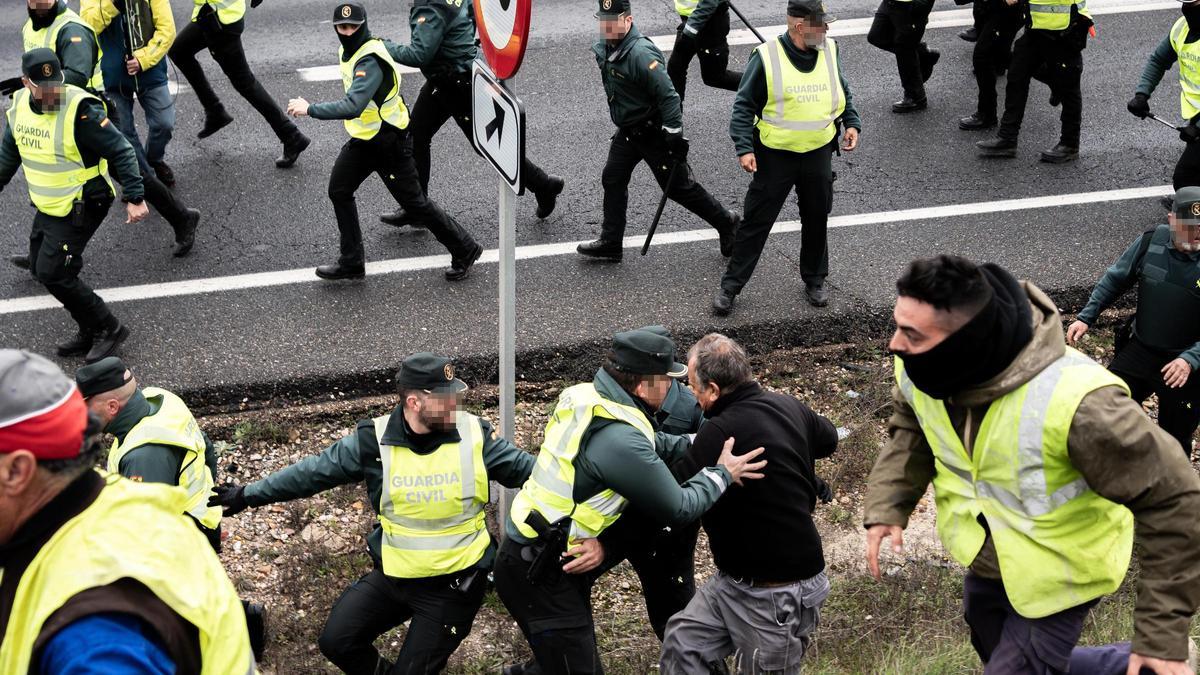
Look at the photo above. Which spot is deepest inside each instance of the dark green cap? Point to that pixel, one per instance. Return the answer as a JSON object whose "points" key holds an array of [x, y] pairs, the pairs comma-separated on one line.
{"points": [[429, 372], [812, 10], [662, 330], [1187, 203], [642, 352], [41, 65], [611, 9], [350, 13], [104, 375]]}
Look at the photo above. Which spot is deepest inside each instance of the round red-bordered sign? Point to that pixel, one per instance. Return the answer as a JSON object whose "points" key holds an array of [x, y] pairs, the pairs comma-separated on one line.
{"points": [[503, 33]]}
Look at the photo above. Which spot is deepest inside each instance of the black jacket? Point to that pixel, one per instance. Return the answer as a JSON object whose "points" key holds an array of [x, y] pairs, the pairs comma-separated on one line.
{"points": [[763, 530]]}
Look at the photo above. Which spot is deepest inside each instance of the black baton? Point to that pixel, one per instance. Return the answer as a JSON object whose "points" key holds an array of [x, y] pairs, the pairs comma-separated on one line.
{"points": [[743, 18], [661, 203]]}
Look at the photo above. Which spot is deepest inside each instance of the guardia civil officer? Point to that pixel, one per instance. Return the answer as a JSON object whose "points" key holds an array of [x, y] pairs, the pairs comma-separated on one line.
{"points": [[95, 579], [643, 104], [601, 451], [1160, 350], [61, 137], [443, 47], [898, 28], [426, 466], [1050, 49], [1042, 466], [217, 26], [997, 25], [1181, 45], [787, 142], [377, 121], [703, 32], [157, 440]]}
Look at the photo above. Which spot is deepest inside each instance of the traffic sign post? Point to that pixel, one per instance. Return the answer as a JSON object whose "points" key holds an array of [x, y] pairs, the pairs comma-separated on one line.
{"points": [[498, 132]]}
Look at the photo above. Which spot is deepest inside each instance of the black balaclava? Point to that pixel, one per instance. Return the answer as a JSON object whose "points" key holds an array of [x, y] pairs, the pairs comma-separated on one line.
{"points": [[983, 347], [351, 43], [1191, 12], [40, 22]]}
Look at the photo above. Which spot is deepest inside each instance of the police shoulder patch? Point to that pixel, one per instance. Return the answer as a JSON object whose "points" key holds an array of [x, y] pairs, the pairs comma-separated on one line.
{"points": [[360, 73], [77, 39], [420, 19], [104, 122], [653, 65], [136, 478]]}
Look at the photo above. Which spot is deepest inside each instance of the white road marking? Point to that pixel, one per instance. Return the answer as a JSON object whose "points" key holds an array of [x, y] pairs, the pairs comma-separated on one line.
{"points": [[401, 265], [952, 18]]}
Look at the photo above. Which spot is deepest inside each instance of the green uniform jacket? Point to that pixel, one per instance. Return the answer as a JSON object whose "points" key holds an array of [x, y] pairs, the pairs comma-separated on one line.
{"points": [[1161, 60], [614, 455], [1124, 274], [1123, 456], [699, 16], [78, 58], [151, 463], [636, 83], [355, 458], [370, 86], [443, 38], [680, 413], [96, 137], [751, 95]]}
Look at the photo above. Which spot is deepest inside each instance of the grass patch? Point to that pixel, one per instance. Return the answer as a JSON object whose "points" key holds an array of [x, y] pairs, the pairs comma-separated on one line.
{"points": [[248, 431]]}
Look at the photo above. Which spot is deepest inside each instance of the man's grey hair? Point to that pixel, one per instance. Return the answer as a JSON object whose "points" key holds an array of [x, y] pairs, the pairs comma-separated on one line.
{"points": [[716, 358]]}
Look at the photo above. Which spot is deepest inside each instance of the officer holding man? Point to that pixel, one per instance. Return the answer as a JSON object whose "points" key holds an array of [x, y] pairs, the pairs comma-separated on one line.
{"points": [[1182, 44], [94, 579], [1159, 351], [998, 23], [787, 142], [377, 121], [1050, 49], [443, 47], [601, 452], [157, 440], [217, 26], [60, 135], [1041, 465], [426, 466], [703, 31], [643, 104], [119, 87], [898, 28]]}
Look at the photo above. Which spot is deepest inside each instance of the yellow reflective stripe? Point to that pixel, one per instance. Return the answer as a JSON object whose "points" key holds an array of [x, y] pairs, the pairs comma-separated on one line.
{"points": [[549, 478], [1033, 506], [1049, 9], [442, 542]]}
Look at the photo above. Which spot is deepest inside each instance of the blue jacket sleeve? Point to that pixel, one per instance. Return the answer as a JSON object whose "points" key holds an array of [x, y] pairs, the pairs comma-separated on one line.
{"points": [[105, 644]]}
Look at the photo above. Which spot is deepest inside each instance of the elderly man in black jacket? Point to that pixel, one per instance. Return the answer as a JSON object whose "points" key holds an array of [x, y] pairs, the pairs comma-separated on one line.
{"points": [[764, 602]]}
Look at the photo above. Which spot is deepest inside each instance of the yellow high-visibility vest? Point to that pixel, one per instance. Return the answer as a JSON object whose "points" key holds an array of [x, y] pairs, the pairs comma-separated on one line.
{"points": [[54, 168], [132, 531], [802, 108], [550, 488], [228, 11], [174, 425], [48, 38], [1054, 14], [1059, 543], [1189, 69], [393, 111], [432, 506]]}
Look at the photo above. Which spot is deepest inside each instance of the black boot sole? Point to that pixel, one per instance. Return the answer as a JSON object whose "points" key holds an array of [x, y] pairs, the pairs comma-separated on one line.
{"points": [[114, 343]]}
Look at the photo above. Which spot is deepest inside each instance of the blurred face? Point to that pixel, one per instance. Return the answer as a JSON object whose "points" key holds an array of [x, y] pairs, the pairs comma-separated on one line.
{"points": [[653, 390], [437, 412], [614, 30], [807, 34], [1185, 233], [919, 326], [105, 408], [41, 7], [706, 395], [48, 95], [346, 29]]}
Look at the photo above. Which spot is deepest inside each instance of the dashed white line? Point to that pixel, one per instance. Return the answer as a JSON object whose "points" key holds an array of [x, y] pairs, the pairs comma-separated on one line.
{"points": [[401, 265]]}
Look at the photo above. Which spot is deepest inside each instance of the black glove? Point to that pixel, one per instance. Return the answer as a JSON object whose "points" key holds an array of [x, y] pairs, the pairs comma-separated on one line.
{"points": [[9, 86], [823, 492], [230, 498], [677, 146], [684, 34], [1139, 105], [1189, 133], [255, 3]]}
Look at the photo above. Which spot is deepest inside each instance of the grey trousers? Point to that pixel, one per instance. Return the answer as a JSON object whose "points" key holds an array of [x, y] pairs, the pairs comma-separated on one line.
{"points": [[767, 629]]}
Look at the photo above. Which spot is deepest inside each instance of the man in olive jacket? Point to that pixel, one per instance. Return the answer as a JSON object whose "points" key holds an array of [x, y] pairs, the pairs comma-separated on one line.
{"points": [[982, 366]]}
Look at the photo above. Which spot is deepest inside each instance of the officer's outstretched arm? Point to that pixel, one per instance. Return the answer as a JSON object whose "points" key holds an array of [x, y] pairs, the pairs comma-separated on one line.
{"points": [[339, 464]]}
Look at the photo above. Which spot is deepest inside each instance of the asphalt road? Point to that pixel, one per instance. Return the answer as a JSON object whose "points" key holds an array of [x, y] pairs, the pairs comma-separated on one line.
{"points": [[306, 336]]}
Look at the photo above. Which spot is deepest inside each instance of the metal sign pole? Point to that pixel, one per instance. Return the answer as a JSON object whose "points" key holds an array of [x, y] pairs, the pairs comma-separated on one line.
{"points": [[507, 320]]}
